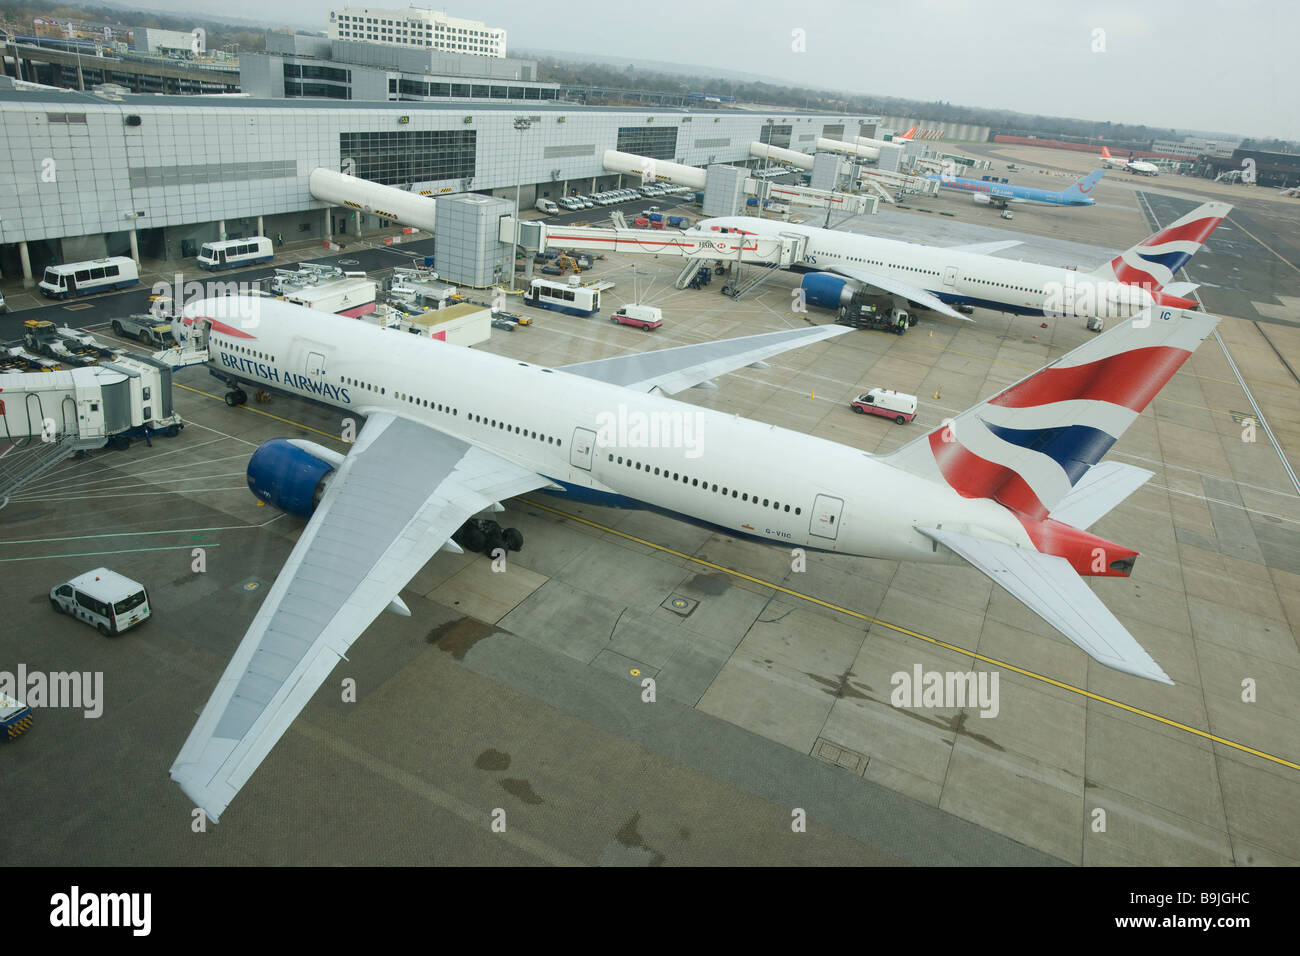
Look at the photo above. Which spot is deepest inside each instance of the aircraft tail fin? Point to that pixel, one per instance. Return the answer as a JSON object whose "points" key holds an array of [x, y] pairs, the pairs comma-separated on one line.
{"points": [[1081, 191], [1105, 153], [907, 137], [1028, 446], [1154, 261]]}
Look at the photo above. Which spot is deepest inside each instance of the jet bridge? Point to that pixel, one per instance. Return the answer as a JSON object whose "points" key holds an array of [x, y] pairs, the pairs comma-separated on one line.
{"points": [[783, 251]]}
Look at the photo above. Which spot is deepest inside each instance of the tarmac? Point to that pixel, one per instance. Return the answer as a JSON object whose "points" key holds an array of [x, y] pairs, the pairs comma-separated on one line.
{"points": [[518, 696]]}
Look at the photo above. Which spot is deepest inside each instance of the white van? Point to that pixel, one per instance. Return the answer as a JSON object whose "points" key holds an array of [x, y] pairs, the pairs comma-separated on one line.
{"points": [[104, 599], [232, 253], [548, 207], [82, 278]]}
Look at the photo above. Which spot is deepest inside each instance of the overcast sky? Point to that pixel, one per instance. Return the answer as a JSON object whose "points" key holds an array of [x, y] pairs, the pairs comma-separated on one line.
{"points": [[1200, 64]]}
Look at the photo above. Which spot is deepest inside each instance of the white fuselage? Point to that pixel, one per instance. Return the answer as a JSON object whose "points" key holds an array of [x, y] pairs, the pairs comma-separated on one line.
{"points": [[1132, 165], [956, 276], [642, 449]]}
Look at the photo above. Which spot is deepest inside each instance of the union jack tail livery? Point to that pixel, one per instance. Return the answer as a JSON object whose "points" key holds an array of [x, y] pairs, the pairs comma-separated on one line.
{"points": [[1029, 445], [1034, 449], [1154, 261]]}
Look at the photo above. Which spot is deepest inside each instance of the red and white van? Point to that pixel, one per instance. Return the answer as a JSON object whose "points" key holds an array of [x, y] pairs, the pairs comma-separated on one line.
{"points": [[887, 403]]}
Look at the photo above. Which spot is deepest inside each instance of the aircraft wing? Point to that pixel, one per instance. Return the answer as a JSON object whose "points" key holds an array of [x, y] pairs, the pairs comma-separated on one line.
{"points": [[986, 248], [672, 370], [398, 496], [897, 287], [1053, 590]]}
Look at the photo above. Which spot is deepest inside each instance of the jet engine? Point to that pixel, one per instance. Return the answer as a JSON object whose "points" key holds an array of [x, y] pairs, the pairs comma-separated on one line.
{"points": [[827, 290], [292, 474]]}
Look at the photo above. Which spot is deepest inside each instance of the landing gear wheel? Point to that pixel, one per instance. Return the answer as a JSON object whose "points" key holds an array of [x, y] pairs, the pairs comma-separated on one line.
{"points": [[514, 539], [899, 419], [236, 397], [470, 538], [494, 543]]}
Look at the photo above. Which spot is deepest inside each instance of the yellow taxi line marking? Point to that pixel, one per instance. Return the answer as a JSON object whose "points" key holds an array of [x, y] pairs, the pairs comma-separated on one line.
{"points": [[966, 652]]}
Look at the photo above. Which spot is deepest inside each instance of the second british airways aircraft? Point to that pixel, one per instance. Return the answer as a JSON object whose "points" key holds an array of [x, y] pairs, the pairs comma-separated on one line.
{"points": [[998, 195]]}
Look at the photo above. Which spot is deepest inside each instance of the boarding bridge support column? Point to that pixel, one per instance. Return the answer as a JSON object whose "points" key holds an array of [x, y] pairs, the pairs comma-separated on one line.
{"points": [[724, 190], [825, 172], [26, 258], [135, 246], [221, 229]]}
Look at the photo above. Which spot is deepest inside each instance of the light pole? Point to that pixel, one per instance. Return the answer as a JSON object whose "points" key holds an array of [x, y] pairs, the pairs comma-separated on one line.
{"points": [[521, 123]]}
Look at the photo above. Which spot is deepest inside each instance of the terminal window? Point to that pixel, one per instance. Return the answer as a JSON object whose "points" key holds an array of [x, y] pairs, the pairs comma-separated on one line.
{"points": [[776, 135], [400, 157], [656, 143]]}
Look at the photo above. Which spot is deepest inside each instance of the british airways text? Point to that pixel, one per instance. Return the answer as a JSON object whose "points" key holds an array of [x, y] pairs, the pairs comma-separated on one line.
{"points": [[270, 373]]}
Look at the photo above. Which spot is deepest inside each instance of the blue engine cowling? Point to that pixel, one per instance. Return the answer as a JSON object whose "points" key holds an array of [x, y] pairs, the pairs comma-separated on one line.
{"points": [[291, 474], [827, 290]]}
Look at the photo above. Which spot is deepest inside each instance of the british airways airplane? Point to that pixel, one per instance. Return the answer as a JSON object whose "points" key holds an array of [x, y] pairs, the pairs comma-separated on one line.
{"points": [[999, 195], [1009, 487], [841, 264]]}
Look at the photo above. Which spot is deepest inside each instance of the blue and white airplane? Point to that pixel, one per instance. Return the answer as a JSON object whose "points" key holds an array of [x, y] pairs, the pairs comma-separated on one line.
{"points": [[1008, 487], [998, 195]]}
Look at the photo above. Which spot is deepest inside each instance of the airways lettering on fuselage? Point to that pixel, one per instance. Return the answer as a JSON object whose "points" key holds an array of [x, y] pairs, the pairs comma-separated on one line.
{"points": [[271, 374]]}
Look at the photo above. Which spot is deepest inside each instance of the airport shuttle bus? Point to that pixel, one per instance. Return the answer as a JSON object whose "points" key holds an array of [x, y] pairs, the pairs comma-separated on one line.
{"points": [[83, 278], [232, 253], [561, 297]]}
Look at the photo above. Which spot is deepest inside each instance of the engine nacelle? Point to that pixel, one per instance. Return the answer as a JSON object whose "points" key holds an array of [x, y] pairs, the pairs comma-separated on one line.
{"points": [[980, 199], [827, 290], [291, 474]]}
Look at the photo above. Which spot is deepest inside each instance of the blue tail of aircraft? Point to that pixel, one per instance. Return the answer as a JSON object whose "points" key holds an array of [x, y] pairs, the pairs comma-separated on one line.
{"points": [[1080, 194]]}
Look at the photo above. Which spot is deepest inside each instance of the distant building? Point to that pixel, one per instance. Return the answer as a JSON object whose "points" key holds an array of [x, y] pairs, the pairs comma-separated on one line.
{"points": [[416, 27], [149, 40], [1194, 146], [313, 66]]}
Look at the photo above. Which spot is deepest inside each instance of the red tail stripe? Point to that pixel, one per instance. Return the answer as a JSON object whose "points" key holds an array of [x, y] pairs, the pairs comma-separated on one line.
{"points": [[974, 477], [1130, 379], [1196, 231], [1131, 275]]}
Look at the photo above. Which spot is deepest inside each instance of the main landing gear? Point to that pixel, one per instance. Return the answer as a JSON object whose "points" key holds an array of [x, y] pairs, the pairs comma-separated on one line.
{"points": [[236, 397], [483, 535]]}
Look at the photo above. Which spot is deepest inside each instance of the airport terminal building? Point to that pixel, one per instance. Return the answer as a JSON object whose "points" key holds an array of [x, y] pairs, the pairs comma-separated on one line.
{"points": [[84, 175]]}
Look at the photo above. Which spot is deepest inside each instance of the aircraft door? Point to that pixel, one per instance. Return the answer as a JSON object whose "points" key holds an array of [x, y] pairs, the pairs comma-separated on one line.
{"points": [[950, 277], [315, 364], [826, 515], [581, 448]]}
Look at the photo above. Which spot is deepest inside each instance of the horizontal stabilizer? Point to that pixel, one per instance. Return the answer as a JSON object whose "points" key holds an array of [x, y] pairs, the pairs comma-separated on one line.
{"points": [[1102, 487], [1049, 587], [1181, 289]]}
